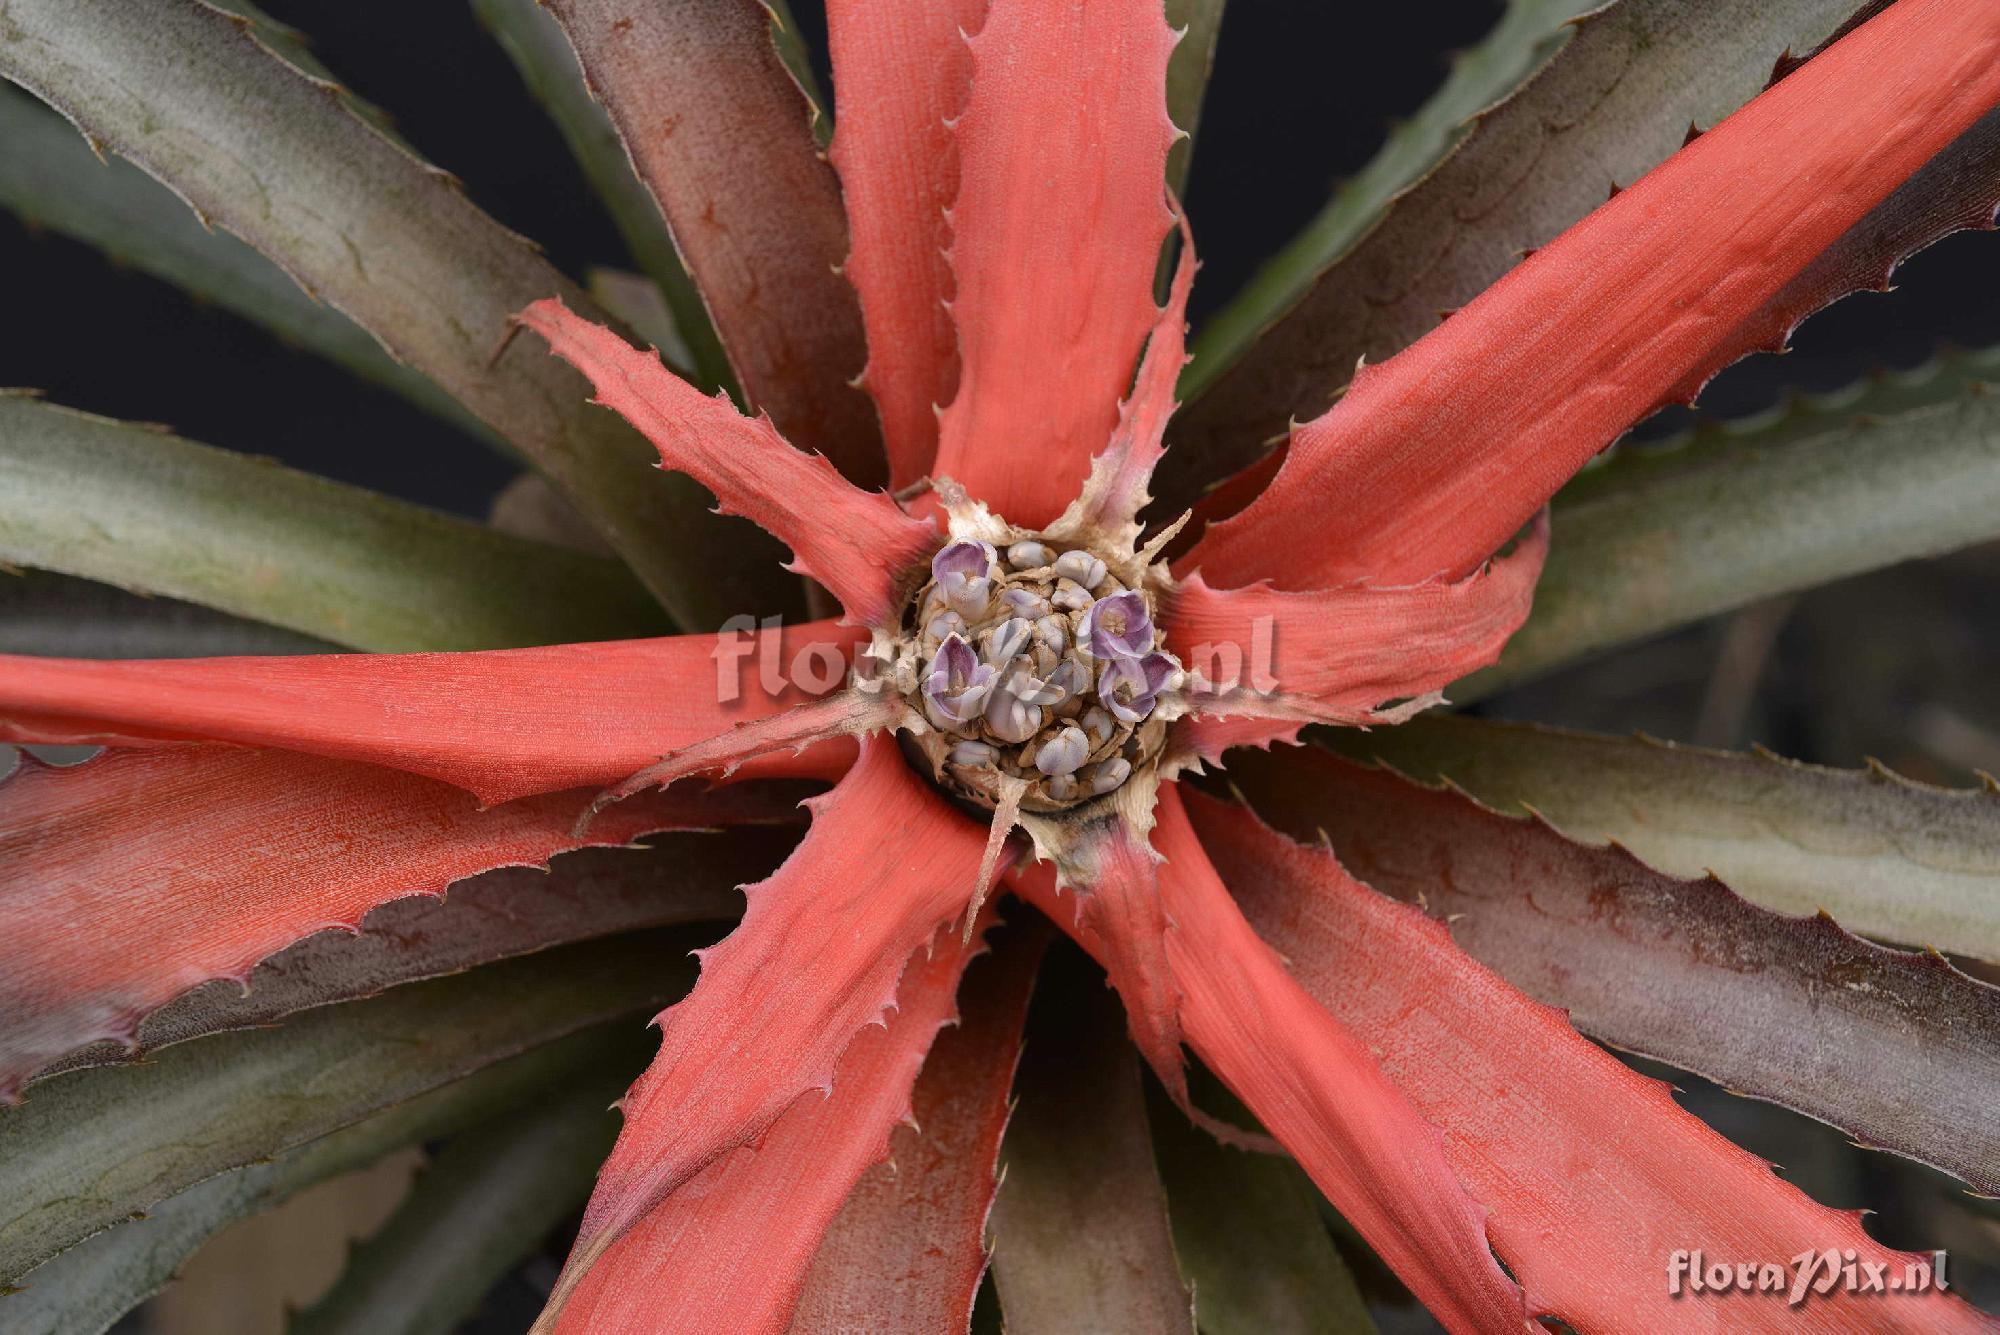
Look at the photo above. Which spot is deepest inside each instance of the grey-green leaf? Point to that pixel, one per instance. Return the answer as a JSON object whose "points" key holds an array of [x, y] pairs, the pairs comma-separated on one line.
{"points": [[1200, 25], [472, 1215], [1248, 1232], [189, 94], [1528, 33], [293, 47], [1079, 1228], [134, 506], [58, 616], [49, 177], [86, 1289], [638, 301], [1389, 258], [1886, 856], [1903, 467], [536, 45], [91, 1148]]}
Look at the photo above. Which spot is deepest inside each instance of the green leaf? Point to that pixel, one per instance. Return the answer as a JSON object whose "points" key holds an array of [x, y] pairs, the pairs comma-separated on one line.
{"points": [[639, 303], [259, 148], [57, 616], [586, 894], [536, 45], [1903, 467], [1528, 33], [1887, 857], [91, 1148], [1200, 24], [86, 1289], [472, 1215], [1398, 247], [790, 41], [292, 46], [134, 506], [1248, 1233], [1079, 1227], [50, 178]]}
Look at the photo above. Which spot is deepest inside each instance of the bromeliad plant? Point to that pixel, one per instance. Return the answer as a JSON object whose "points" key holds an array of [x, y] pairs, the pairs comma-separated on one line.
{"points": [[1039, 663]]}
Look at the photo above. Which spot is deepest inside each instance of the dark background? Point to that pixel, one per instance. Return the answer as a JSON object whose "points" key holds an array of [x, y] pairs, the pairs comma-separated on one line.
{"points": [[1302, 92], [1899, 663]]}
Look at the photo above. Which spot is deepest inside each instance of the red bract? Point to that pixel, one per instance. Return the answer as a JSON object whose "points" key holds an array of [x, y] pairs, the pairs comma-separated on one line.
{"points": [[1448, 1117]]}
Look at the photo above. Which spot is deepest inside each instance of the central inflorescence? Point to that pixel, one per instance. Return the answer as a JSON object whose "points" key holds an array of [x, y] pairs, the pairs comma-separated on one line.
{"points": [[1040, 671]]}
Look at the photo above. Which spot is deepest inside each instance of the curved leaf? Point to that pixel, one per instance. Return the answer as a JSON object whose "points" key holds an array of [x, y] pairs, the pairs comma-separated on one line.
{"points": [[481, 1206], [721, 134], [86, 1289], [1437, 457], [1896, 1048], [89, 1149], [1528, 33], [860, 544], [60, 616], [674, 879], [189, 94], [907, 1251], [733, 1251], [1590, 1174], [134, 506], [535, 43], [1957, 189], [1614, 102], [815, 960], [50, 178], [138, 876], [1886, 856], [1905, 467]]}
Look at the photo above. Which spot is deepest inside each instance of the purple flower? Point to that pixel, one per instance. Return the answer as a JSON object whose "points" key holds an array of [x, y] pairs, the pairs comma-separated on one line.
{"points": [[964, 575], [958, 683], [1129, 686], [1119, 626]]}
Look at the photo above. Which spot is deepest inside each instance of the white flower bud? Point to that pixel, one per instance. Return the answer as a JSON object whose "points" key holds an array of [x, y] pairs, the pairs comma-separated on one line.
{"points": [[1108, 775], [1006, 641], [1063, 753], [1028, 556], [1025, 603], [972, 754], [1010, 718], [1082, 567], [1097, 721], [1071, 678], [1071, 596]]}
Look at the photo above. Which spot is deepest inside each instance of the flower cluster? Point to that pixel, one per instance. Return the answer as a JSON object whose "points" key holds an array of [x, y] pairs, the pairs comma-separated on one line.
{"points": [[1041, 669]]}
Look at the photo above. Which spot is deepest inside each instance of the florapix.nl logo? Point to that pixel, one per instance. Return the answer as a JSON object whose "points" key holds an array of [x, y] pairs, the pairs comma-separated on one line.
{"points": [[1809, 1274]]}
